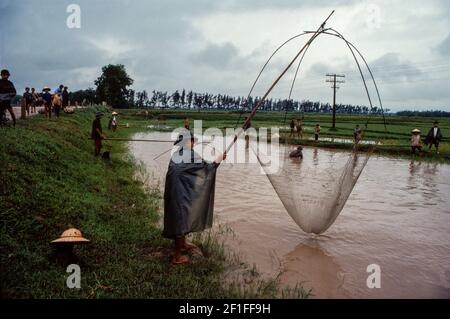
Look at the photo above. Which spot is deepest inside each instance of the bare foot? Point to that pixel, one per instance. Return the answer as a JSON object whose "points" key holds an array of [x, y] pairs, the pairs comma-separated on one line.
{"points": [[188, 247], [180, 260]]}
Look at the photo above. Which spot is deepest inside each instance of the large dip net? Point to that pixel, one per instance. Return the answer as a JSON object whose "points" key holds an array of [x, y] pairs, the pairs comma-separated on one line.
{"points": [[314, 191]]}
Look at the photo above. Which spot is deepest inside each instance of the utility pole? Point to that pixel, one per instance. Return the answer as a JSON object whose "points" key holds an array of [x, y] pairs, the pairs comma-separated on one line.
{"points": [[333, 78]]}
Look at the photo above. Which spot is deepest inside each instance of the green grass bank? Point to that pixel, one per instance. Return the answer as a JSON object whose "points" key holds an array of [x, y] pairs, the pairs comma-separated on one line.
{"points": [[51, 181]]}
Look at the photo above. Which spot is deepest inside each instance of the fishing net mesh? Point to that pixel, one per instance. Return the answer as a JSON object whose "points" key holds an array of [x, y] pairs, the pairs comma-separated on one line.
{"points": [[314, 190]]}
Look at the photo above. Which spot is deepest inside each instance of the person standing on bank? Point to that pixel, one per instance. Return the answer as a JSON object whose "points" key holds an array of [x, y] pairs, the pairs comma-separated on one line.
{"points": [[28, 97], [188, 195], [65, 98], [57, 104], [47, 98], [7, 93], [97, 133], [34, 101], [434, 136]]}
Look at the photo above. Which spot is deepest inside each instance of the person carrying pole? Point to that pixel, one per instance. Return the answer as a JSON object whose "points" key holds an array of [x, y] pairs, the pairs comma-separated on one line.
{"points": [[188, 195], [97, 134]]}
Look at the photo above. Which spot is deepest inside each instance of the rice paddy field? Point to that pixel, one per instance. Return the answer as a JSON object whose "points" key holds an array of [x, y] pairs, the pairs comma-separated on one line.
{"points": [[392, 133]]}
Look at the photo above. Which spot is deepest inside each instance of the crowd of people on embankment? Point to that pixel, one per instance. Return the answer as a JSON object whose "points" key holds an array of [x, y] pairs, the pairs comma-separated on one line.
{"points": [[52, 102]]}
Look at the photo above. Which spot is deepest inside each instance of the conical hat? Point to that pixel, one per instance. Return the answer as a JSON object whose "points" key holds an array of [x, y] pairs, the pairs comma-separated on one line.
{"points": [[71, 235]]}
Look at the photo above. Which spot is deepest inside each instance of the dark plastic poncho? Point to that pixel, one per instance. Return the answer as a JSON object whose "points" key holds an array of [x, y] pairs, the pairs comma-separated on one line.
{"points": [[189, 197]]}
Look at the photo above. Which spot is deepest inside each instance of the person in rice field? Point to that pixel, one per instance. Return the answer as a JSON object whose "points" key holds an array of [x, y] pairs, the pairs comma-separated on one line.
{"points": [[416, 142], [434, 137], [316, 132], [292, 127], [357, 134], [299, 128], [188, 195]]}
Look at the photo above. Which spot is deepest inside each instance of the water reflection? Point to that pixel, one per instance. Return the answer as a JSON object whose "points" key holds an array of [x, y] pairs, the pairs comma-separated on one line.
{"points": [[309, 264], [422, 181], [316, 156]]}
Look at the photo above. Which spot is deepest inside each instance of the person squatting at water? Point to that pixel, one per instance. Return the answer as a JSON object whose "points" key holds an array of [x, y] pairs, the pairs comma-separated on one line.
{"points": [[298, 153], [97, 134], [416, 143], [434, 136], [7, 93], [188, 195]]}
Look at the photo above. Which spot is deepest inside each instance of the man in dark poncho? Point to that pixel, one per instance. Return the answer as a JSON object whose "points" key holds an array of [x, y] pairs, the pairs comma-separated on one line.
{"points": [[434, 136], [188, 195]]}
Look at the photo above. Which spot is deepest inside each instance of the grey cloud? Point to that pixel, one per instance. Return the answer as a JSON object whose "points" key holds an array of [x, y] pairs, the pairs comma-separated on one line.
{"points": [[216, 55], [444, 47], [391, 67]]}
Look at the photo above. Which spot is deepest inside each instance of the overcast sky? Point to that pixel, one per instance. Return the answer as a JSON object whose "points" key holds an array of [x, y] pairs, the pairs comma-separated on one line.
{"points": [[219, 46]]}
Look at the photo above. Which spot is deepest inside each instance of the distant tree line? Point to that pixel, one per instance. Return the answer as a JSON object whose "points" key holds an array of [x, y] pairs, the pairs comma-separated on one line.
{"points": [[424, 113], [193, 100]]}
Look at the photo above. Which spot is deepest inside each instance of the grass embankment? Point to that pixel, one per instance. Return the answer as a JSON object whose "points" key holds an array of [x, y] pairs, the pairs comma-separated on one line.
{"points": [[51, 181], [394, 138]]}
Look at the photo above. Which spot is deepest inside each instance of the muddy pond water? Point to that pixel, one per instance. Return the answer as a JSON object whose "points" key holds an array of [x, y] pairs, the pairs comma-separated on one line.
{"points": [[397, 217]]}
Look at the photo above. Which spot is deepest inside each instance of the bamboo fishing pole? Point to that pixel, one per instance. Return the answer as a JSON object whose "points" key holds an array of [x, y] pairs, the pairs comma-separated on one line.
{"points": [[255, 109], [145, 140], [137, 140]]}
